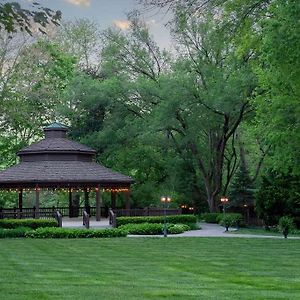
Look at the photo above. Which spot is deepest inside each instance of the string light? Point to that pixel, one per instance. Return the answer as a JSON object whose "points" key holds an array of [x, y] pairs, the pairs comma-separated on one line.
{"points": [[73, 189]]}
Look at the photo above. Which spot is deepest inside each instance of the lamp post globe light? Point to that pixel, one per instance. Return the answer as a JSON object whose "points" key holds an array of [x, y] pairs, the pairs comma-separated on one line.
{"points": [[224, 200], [165, 200]]}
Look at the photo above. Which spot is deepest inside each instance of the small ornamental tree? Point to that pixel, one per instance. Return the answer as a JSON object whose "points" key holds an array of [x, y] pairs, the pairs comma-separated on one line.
{"points": [[285, 225]]}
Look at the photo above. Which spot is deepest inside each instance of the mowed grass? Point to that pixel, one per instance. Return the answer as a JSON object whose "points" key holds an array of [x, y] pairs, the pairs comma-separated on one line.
{"points": [[150, 268]]}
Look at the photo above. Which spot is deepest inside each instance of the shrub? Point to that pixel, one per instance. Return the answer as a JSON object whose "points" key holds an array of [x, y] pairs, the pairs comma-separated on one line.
{"points": [[178, 228], [31, 223], [69, 233], [14, 233], [211, 217], [143, 228], [153, 228], [286, 224], [231, 219], [174, 219]]}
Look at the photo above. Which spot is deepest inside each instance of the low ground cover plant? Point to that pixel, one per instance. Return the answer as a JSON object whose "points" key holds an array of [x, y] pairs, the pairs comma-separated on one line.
{"points": [[153, 228], [31, 223], [173, 219]]}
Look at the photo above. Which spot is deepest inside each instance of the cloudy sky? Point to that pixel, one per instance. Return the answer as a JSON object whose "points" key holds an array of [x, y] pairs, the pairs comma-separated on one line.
{"points": [[109, 13]]}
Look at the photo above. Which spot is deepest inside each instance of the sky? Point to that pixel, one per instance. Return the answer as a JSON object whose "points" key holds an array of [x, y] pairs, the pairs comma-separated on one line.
{"points": [[108, 13]]}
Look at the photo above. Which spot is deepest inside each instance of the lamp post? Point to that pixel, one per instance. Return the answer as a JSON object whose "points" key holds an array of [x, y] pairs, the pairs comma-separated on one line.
{"points": [[224, 200], [165, 200]]}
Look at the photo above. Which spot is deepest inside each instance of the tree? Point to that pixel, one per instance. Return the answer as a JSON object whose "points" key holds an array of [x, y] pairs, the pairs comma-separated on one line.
{"points": [[82, 39], [278, 196], [277, 104], [15, 18], [30, 94]]}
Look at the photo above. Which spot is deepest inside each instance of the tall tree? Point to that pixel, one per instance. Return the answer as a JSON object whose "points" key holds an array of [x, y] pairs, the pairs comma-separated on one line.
{"points": [[15, 18]]}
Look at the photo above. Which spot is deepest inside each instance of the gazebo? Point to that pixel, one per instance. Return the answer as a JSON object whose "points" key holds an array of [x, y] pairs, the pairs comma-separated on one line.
{"points": [[58, 163]]}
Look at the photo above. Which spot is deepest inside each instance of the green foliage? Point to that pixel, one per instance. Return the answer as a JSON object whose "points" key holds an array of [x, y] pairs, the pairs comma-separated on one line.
{"points": [[142, 228], [241, 191], [31, 223], [231, 219], [14, 233], [153, 228], [286, 224], [178, 228], [69, 233], [174, 219], [277, 196], [211, 217]]}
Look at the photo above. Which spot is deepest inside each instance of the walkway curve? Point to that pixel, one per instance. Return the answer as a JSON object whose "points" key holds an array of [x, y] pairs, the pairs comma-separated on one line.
{"points": [[215, 230]]}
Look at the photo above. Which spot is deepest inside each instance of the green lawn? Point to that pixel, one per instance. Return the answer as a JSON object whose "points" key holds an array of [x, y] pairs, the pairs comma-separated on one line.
{"points": [[150, 268]]}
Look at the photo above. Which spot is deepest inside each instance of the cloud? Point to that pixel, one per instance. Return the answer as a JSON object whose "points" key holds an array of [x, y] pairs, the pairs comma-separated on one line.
{"points": [[122, 24], [79, 2], [151, 22]]}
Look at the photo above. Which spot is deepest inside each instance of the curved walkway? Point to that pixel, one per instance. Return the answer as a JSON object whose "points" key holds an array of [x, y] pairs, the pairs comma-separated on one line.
{"points": [[215, 230]]}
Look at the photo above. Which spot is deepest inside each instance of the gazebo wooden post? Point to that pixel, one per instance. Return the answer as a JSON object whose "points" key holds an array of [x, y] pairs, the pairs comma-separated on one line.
{"points": [[127, 202], [20, 202], [98, 203], [113, 198], [70, 204], [37, 202], [86, 201]]}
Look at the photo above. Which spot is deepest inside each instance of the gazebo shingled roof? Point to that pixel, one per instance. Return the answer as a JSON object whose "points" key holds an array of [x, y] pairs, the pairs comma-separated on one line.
{"points": [[59, 162]]}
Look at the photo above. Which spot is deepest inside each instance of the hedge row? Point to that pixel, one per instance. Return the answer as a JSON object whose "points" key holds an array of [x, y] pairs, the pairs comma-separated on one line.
{"points": [[211, 217], [31, 223], [173, 219], [69, 233], [153, 228]]}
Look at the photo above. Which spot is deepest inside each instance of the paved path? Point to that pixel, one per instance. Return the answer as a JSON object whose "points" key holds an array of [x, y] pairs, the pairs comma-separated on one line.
{"points": [[207, 230], [215, 230]]}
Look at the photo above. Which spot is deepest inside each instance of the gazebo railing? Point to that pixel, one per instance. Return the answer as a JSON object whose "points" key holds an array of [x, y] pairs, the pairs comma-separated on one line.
{"points": [[147, 211], [47, 212]]}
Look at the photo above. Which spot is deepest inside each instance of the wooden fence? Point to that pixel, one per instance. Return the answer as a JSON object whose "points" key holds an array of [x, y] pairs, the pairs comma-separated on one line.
{"points": [[147, 211]]}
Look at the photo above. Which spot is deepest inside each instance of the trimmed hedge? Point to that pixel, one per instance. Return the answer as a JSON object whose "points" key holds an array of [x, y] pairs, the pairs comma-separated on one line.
{"points": [[153, 228], [69, 233], [211, 217], [31, 223], [14, 233], [174, 219]]}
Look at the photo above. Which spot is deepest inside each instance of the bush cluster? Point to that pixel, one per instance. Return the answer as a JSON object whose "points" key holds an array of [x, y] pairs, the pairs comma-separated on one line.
{"points": [[31, 223], [153, 228], [69, 233], [14, 233], [173, 219], [178, 228]]}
